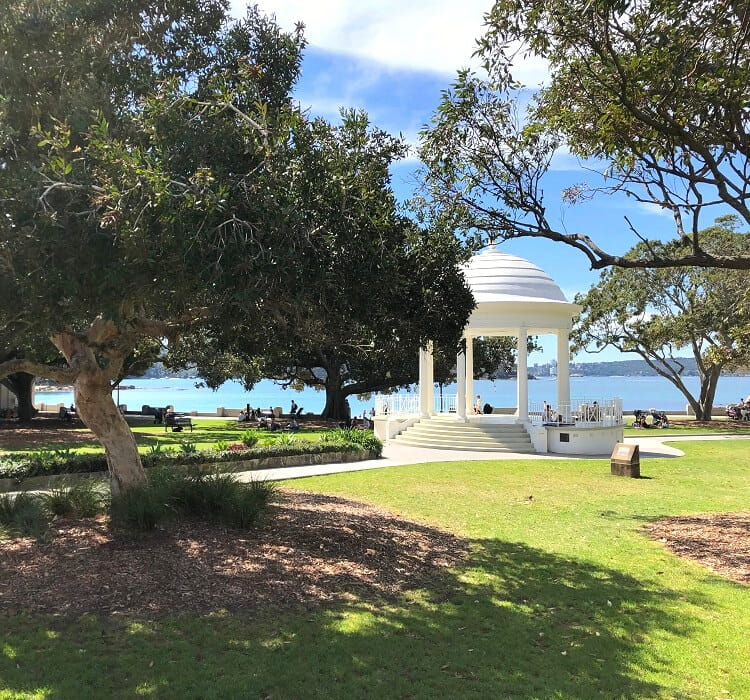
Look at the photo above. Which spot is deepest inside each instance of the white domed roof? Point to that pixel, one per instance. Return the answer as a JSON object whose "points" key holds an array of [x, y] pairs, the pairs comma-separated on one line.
{"points": [[494, 276]]}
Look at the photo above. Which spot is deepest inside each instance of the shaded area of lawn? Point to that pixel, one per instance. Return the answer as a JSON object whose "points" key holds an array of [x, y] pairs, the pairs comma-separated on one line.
{"points": [[530, 624], [563, 596]]}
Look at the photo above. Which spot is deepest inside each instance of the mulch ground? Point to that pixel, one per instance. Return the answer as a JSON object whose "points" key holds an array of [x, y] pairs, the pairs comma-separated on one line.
{"points": [[312, 549], [720, 542], [42, 431]]}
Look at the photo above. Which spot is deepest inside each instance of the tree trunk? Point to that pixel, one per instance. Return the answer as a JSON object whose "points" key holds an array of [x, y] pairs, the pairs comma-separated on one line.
{"points": [[22, 384], [95, 406], [336, 405], [705, 404]]}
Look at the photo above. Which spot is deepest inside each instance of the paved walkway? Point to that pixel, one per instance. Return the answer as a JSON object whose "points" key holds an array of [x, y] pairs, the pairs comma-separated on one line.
{"points": [[395, 455]]}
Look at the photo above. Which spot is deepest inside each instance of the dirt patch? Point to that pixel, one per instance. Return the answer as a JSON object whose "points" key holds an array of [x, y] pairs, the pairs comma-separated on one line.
{"points": [[24, 436], [312, 549], [720, 542]]}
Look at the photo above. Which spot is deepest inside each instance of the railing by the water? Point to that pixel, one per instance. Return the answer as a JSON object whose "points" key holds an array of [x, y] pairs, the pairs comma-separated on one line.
{"points": [[409, 405], [445, 403], [581, 412], [397, 404]]}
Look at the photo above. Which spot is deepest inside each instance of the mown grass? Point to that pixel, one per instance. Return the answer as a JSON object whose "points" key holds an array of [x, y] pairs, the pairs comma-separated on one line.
{"points": [[563, 597], [205, 435]]}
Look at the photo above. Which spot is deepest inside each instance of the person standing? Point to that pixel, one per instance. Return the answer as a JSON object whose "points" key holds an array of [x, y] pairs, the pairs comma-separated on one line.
{"points": [[478, 404]]}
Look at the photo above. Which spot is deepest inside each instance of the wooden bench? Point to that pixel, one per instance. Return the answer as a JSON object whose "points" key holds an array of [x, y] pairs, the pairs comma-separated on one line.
{"points": [[176, 421]]}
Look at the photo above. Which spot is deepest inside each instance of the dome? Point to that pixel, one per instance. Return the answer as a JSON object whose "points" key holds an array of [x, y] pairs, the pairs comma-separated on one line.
{"points": [[494, 276]]}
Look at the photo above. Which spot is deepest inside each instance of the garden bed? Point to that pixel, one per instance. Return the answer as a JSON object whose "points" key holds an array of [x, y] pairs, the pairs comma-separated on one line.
{"points": [[312, 549], [718, 541]]}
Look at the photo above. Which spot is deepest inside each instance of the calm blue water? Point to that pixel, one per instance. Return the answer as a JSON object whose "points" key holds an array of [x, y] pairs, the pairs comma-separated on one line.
{"points": [[636, 392]]}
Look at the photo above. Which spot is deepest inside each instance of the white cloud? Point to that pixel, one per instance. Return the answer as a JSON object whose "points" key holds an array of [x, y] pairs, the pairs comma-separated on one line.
{"points": [[428, 35], [652, 208]]}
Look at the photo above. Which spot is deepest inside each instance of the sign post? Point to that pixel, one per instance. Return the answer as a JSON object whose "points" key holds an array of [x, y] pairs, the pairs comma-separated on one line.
{"points": [[626, 460]]}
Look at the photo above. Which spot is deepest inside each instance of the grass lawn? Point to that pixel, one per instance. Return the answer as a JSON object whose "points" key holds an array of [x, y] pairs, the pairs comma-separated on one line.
{"points": [[205, 435], [562, 597]]}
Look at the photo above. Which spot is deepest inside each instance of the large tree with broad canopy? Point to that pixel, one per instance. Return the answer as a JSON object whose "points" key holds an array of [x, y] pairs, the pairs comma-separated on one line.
{"points": [[652, 94], [661, 314]]}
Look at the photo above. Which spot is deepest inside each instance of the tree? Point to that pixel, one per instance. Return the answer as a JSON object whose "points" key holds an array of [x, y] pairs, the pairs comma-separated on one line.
{"points": [[652, 91], [142, 146], [657, 314], [376, 289]]}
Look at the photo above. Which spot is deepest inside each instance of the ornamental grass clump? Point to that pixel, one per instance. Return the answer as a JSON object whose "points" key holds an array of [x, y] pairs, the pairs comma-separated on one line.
{"points": [[83, 499], [24, 515], [213, 497]]}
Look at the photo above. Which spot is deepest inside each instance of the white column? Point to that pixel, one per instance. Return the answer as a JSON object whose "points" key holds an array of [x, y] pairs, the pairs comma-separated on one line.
{"points": [[469, 375], [522, 376], [461, 386], [430, 360], [424, 383], [563, 368]]}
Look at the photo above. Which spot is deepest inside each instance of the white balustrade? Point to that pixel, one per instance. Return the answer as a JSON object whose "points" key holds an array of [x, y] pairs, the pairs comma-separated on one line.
{"points": [[580, 412], [397, 405], [445, 403]]}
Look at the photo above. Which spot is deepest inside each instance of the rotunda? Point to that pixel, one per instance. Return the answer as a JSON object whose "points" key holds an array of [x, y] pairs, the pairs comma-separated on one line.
{"points": [[513, 298]]}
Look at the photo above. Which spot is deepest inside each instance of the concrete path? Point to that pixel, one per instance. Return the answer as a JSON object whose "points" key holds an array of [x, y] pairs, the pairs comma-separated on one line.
{"points": [[395, 455]]}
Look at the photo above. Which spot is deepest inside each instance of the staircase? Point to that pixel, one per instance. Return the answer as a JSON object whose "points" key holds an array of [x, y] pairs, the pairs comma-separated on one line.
{"points": [[446, 433]]}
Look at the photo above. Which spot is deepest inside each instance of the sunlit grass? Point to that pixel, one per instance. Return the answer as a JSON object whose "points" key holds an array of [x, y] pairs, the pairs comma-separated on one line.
{"points": [[563, 596]]}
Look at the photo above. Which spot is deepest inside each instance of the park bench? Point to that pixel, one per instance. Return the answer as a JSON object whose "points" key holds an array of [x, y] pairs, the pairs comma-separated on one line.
{"points": [[177, 422]]}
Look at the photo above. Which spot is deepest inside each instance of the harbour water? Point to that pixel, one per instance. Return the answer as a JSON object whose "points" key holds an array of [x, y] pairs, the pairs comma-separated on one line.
{"points": [[184, 395]]}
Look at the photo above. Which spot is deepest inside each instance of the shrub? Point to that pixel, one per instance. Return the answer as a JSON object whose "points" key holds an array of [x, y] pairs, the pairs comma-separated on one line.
{"points": [[141, 508], [84, 499], [286, 439], [221, 445], [364, 439], [249, 503], [23, 515], [215, 497], [187, 447], [19, 467], [249, 438]]}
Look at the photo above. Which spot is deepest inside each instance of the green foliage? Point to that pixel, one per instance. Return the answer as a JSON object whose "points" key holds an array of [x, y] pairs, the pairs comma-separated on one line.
{"points": [[82, 499], [650, 94], [351, 332], [286, 438], [249, 438], [23, 515], [214, 497], [140, 508], [221, 445], [188, 447], [661, 313], [363, 439]]}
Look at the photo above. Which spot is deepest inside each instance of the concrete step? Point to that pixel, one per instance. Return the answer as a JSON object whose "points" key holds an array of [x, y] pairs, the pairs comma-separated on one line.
{"points": [[505, 431], [465, 448], [448, 434]]}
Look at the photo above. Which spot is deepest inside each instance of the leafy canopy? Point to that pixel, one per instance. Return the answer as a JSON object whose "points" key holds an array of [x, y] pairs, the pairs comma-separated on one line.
{"points": [[654, 91]]}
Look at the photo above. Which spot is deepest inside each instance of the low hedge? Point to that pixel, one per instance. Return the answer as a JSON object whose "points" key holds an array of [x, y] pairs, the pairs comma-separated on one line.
{"points": [[47, 462]]}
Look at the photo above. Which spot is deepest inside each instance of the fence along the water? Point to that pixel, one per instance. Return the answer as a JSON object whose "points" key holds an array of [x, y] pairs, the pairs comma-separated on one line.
{"points": [[590, 412]]}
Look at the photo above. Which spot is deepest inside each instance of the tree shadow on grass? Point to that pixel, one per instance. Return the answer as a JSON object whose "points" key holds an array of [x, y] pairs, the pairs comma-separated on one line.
{"points": [[510, 621]]}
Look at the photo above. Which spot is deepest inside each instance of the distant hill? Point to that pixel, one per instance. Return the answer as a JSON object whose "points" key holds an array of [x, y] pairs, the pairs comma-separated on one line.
{"points": [[627, 368]]}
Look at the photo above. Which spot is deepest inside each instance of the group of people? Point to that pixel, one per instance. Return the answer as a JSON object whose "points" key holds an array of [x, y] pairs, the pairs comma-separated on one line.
{"points": [[740, 410], [267, 418]]}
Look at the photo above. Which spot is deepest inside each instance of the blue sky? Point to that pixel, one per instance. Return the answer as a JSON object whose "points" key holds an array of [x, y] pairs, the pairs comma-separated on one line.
{"points": [[393, 59]]}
